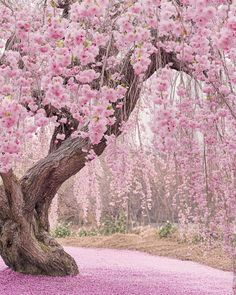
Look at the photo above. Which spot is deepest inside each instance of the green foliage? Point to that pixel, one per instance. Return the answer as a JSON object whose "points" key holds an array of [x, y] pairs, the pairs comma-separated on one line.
{"points": [[111, 225], [166, 230], [62, 230], [88, 232]]}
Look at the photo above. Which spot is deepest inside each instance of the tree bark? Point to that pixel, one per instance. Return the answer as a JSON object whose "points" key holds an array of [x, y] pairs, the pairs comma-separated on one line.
{"points": [[25, 244]]}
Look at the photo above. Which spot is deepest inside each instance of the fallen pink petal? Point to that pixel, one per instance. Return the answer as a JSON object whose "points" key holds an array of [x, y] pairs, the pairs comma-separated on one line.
{"points": [[121, 272]]}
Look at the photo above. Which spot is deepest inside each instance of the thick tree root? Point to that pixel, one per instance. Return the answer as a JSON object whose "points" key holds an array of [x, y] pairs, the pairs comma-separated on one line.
{"points": [[23, 252]]}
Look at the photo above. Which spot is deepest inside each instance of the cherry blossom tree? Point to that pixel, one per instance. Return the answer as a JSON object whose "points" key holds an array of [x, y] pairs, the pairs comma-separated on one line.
{"points": [[81, 66]]}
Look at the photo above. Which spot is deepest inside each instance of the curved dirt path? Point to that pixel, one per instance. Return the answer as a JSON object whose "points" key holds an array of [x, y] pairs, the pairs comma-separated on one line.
{"points": [[121, 272]]}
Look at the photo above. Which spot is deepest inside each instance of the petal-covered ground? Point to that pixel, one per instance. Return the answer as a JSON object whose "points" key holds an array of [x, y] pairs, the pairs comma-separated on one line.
{"points": [[119, 272]]}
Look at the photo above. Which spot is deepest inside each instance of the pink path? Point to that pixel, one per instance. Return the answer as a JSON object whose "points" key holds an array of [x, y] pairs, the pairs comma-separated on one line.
{"points": [[119, 272]]}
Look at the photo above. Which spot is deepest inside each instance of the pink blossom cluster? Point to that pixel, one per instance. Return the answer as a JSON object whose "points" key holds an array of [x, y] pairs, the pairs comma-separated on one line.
{"points": [[76, 62]]}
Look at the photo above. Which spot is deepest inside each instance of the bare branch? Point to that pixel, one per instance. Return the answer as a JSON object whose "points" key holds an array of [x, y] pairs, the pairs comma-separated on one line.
{"points": [[8, 4]]}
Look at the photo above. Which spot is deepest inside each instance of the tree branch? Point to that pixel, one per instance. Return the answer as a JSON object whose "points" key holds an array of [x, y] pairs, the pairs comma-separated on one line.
{"points": [[44, 179]]}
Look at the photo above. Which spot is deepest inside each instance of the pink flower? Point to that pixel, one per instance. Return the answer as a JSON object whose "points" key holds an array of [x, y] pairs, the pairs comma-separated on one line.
{"points": [[232, 23], [87, 76], [60, 136]]}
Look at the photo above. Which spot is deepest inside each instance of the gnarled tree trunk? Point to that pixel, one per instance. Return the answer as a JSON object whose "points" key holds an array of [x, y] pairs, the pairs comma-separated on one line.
{"points": [[25, 244]]}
